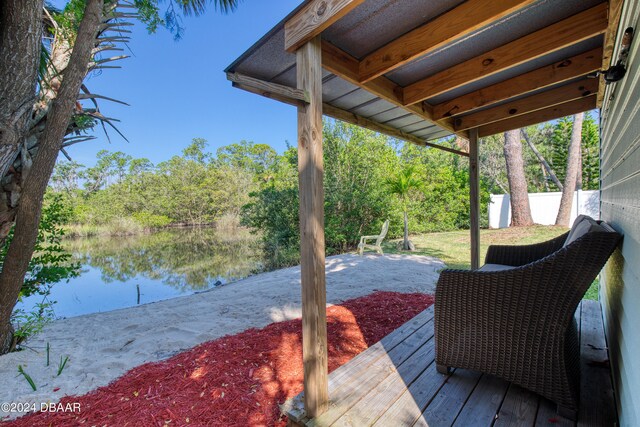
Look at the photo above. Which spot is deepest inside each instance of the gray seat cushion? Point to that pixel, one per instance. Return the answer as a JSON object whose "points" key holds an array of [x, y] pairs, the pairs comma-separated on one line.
{"points": [[495, 267], [575, 225], [581, 226]]}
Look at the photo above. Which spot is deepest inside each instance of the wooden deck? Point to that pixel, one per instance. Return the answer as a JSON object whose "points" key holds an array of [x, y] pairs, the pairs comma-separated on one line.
{"points": [[395, 383]]}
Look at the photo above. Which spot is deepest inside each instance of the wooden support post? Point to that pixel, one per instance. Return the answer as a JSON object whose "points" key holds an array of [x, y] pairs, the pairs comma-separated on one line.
{"points": [[310, 171], [474, 195]]}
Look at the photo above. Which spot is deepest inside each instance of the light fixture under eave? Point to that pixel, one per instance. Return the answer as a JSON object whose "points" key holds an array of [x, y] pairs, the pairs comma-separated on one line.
{"points": [[617, 72]]}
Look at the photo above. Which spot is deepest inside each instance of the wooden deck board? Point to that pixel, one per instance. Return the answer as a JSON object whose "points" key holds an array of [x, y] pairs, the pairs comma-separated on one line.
{"points": [[378, 400], [519, 408], [597, 405], [409, 406], [445, 407], [548, 416], [351, 392], [484, 403], [395, 383], [357, 366]]}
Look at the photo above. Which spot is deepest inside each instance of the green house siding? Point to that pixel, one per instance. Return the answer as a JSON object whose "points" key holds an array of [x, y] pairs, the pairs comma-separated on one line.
{"points": [[620, 206]]}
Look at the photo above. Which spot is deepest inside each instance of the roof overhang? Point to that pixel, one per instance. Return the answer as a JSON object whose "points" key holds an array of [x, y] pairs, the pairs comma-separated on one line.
{"points": [[420, 70]]}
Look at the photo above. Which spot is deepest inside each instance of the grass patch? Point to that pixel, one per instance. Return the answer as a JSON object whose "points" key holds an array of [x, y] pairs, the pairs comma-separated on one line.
{"points": [[593, 291], [454, 247], [119, 227]]}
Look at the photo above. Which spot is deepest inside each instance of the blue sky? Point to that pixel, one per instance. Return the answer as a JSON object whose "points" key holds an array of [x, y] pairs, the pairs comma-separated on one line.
{"points": [[178, 91]]}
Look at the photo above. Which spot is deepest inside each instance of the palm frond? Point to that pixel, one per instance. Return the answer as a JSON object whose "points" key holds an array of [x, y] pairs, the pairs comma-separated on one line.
{"points": [[45, 60], [404, 181], [198, 7]]}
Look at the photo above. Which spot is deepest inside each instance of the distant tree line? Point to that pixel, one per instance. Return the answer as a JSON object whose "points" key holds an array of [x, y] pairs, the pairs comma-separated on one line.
{"points": [[252, 185], [124, 194]]}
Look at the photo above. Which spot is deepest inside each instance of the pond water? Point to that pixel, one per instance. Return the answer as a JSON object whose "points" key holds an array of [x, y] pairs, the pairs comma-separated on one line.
{"points": [[119, 272]]}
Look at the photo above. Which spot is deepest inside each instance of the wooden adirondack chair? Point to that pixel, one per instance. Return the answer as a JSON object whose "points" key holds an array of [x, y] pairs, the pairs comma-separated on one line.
{"points": [[379, 238]]}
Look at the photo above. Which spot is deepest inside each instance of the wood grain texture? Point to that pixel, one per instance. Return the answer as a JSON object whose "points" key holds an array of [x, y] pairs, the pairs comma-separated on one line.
{"points": [[518, 409], [546, 114], [610, 36], [360, 365], [276, 91], [408, 408], [484, 403], [298, 97], [597, 406], [345, 66], [446, 28], [567, 32], [313, 18], [375, 403], [394, 383], [270, 95], [350, 393], [559, 95], [447, 404], [312, 247], [474, 198], [561, 71]]}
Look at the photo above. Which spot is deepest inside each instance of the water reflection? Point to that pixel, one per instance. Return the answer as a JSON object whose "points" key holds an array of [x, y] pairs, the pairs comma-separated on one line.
{"points": [[120, 272], [188, 259]]}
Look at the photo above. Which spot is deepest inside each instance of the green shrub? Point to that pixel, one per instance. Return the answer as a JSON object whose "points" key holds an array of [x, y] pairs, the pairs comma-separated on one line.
{"points": [[149, 220], [50, 264]]}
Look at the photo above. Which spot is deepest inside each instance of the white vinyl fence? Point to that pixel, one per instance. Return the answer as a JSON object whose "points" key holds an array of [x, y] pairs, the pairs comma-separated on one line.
{"points": [[544, 207]]}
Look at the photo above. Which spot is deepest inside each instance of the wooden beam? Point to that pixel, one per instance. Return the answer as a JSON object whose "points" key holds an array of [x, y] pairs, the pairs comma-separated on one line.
{"points": [[446, 28], [275, 91], [559, 95], [565, 33], [345, 116], [269, 95], [312, 248], [614, 12], [474, 198], [313, 18], [561, 71], [345, 66], [551, 113], [300, 98]]}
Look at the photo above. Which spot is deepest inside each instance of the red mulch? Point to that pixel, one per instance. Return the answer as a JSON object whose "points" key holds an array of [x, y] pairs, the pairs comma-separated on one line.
{"points": [[236, 380]]}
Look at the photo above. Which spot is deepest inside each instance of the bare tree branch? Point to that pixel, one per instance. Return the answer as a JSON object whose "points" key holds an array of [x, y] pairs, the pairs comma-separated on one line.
{"points": [[66, 154], [94, 96], [542, 160]]}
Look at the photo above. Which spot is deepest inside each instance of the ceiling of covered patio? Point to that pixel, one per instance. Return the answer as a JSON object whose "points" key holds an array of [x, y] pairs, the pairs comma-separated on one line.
{"points": [[425, 70]]}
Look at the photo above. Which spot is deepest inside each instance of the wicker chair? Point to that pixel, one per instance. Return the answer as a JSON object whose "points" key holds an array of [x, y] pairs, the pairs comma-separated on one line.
{"points": [[518, 323]]}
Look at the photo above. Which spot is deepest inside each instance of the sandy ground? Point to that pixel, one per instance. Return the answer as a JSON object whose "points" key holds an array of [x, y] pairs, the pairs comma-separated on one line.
{"points": [[103, 346]]}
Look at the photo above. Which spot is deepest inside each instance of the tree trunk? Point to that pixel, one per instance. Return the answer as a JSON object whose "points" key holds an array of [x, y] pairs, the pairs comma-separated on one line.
{"points": [[519, 195], [543, 162], [545, 178], [579, 173], [20, 38], [573, 162], [405, 244], [29, 210]]}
